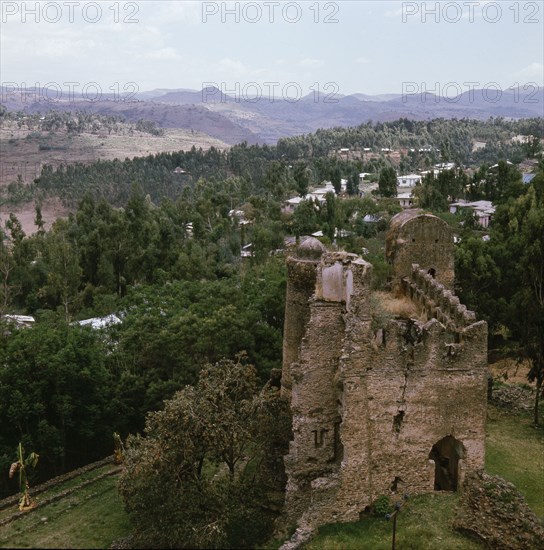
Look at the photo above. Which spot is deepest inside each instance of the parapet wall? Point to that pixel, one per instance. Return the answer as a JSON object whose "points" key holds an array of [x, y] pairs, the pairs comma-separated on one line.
{"points": [[436, 300]]}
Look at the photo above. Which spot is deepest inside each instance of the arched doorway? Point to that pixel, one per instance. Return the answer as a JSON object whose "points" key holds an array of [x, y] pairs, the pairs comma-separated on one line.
{"points": [[432, 272], [446, 454]]}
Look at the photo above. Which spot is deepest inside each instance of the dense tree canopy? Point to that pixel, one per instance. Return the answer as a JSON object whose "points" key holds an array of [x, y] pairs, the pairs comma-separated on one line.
{"points": [[203, 474], [503, 278]]}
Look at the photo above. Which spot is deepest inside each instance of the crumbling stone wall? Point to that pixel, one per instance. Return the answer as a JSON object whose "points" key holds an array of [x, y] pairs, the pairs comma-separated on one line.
{"points": [[424, 239], [398, 407], [436, 300]]}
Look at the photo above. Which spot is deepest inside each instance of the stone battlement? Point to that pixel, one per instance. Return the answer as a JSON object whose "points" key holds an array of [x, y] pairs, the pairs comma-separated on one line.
{"points": [[436, 300]]}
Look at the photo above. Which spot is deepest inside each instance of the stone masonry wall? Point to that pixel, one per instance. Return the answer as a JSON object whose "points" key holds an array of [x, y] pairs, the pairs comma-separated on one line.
{"points": [[423, 239], [370, 403]]}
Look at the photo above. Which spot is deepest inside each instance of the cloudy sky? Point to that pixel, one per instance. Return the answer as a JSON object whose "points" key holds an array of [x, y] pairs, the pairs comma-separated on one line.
{"points": [[358, 46]]}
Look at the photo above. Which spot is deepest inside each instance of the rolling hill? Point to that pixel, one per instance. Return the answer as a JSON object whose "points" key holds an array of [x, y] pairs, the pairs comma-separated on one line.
{"points": [[265, 120]]}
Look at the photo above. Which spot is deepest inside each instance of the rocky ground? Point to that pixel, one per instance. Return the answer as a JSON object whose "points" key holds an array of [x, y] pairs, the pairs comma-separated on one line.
{"points": [[494, 512]]}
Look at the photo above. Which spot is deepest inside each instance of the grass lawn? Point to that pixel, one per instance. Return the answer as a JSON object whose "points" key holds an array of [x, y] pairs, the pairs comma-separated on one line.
{"points": [[92, 517], [423, 524], [515, 451]]}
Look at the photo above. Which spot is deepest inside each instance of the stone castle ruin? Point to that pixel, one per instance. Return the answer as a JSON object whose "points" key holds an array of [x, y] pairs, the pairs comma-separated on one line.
{"points": [[387, 391]]}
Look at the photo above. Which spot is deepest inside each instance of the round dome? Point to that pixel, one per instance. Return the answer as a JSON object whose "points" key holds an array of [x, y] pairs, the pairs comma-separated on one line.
{"points": [[311, 249]]}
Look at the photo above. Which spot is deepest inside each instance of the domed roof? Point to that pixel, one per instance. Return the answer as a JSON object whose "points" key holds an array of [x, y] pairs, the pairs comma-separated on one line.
{"points": [[403, 218], [311, 249]]}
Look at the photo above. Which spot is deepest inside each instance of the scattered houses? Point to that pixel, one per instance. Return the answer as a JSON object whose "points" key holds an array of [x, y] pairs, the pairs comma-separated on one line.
{"points": [[247, 251], [290, 205], [240, 216], [406, 200], [483, 210], [445, 166], [477, 145], [362, 177], [522, 139]]}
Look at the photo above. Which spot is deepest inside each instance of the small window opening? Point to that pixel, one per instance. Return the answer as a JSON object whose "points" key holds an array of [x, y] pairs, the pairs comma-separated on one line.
{"points": [[397, 421]]}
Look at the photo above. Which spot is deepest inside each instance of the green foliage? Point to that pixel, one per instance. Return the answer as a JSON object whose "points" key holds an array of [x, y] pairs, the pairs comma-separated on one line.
{"points": [[381, 506], [302, 178], [201, 476], [436, 192], [55, 396], [352, 186], [15, 193], [387, 184], [503, 278], [336, 179], [305, 218]]}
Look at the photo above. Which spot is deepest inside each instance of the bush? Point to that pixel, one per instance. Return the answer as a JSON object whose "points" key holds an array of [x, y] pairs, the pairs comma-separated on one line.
{"points": [[381, 506]]}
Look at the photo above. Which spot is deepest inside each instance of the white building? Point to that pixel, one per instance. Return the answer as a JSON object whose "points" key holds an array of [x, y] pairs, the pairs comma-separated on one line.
{"points": [[362, 177], [406, 200], [247, 251], [445, 166], [411, 180], [20, 321], [100, 322]]}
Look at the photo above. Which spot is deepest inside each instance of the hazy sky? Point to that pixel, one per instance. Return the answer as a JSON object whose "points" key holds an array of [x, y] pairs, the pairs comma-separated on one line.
{"points": [[360, 46]]}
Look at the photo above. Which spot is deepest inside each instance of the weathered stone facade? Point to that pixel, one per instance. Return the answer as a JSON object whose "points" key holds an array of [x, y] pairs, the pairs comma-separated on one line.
{"points": [[380, 404], [423, 239]]}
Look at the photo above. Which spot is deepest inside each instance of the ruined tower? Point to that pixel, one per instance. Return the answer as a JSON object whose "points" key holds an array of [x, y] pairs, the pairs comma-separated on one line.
{"points": [[381, 401], [423, 239]]}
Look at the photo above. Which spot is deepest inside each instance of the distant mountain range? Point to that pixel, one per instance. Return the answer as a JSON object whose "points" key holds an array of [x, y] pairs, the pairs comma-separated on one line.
{"points": [[265, 120]]}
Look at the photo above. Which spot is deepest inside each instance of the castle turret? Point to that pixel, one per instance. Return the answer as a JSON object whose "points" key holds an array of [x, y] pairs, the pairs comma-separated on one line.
{"points": [[301, 279]]}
